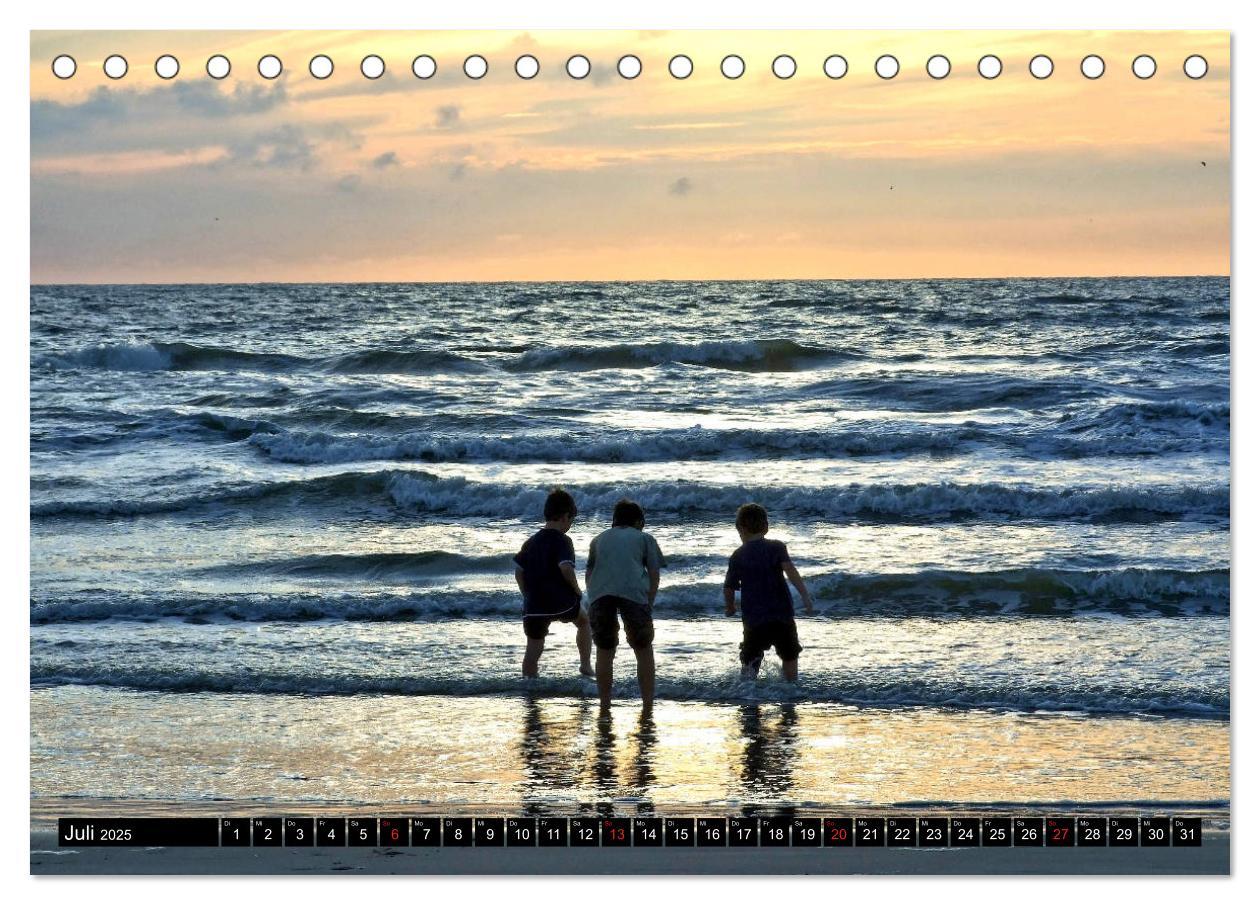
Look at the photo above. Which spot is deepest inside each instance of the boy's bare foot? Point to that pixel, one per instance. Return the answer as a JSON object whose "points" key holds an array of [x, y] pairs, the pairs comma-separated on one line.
{"points": [[587, 670]]}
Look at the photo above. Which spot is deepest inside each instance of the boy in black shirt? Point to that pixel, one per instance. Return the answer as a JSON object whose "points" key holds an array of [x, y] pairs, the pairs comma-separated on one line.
{"points": [[757, 571], [548, 582]]}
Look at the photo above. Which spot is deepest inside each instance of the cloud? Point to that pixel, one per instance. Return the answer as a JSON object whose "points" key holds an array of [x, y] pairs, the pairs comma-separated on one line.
{"points": [[447, 116], [523, 41], [114, 106], [53, 117], [206, 98], [681, 187], [386, 160], [286, 147], [349, 183], [602, 74], [458, 171]]}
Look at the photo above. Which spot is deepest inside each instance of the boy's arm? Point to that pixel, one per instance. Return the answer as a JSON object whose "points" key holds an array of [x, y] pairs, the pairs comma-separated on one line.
{"points": [[520, 579], [570, 575], [567, 567], [799, 583], [730, 584], [590, 563], [653, 562]]}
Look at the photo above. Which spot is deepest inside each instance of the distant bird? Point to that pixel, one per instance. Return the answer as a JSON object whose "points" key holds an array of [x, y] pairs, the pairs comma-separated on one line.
{"points": [[1202, 163], [890, 188]]}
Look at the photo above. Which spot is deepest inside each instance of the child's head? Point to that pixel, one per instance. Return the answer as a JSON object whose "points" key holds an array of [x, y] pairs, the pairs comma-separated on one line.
{"points": [[559, 509], [751, 520], [629, 514]]}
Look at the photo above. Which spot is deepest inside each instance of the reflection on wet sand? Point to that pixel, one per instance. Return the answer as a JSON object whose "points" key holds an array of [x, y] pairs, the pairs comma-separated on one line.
{"points": [[502, 755], [580, 751], [769, 754], [550, 752]]}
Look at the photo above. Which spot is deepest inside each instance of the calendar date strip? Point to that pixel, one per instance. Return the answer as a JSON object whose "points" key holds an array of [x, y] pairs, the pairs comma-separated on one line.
{"points": [[633, 832]]}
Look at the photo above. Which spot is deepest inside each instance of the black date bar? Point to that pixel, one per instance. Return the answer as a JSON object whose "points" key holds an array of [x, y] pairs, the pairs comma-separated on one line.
{"points": [[77, 832]]}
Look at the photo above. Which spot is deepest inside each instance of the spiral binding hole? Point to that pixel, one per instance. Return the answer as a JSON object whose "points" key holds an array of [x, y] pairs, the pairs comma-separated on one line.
{"points": [[218, 66], [424, 67], [166, 66], [835, 66], [115, 66], [783, 67], [527, 66], [64, 66], [270, 67], [320, 66], [629, 66]]}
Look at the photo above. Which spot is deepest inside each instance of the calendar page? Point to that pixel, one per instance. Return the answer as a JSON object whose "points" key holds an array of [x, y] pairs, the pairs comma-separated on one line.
{"points": [[770, 452]]}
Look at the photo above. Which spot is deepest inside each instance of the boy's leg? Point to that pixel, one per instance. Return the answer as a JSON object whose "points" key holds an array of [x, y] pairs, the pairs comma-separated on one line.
{"points": [[604, 675], [640, 633], [788, 646], [602, 619], [583, 623], [646, 659], [533, 650], [751, 650]]}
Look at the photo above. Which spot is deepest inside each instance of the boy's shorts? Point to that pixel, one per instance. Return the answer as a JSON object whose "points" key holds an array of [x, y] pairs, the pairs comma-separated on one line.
{"points": [[536, 626], [760, 638], [636, 617]]}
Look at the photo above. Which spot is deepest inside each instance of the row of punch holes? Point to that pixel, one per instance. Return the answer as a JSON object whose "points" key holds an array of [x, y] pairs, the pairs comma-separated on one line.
{"points": [[629, 66]]}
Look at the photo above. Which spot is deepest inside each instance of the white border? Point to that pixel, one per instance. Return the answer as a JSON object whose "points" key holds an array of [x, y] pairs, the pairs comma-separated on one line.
{"points": [[909, 15]]}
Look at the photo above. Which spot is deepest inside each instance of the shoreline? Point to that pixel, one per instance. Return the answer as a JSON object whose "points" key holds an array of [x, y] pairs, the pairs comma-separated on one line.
{"points": [[1213, 858]]}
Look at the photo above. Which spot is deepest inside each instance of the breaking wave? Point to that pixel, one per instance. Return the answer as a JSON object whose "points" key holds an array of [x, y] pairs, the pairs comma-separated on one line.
{"points": [[423, 492]]}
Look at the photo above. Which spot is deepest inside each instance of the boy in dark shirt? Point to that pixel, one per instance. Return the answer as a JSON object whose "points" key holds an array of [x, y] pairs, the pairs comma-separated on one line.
{"points": [[757, 571], [548, 582]]}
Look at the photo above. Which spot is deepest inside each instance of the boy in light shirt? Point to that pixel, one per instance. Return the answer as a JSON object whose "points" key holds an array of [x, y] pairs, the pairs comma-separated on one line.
{"points": [[623, 572]]}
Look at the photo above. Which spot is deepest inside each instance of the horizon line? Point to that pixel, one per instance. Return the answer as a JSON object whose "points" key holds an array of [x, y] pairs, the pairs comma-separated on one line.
{"points": [[1119, 276]]}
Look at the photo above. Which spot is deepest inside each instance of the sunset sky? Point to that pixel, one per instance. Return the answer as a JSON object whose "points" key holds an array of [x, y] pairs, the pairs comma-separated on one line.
{"points": [[297, 179]]}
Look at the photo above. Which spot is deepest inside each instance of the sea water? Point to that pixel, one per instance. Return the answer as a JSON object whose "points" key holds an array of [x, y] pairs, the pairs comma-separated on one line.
{"points": [[272, 530]]}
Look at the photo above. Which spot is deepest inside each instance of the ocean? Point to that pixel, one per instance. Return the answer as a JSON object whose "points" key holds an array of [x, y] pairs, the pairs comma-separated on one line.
{"points": [[272, 530]]}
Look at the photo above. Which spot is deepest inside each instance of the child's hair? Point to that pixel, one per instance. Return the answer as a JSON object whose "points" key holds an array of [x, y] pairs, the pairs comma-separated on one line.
{"points": [[559, 503], [752, 518], [627, 513]]}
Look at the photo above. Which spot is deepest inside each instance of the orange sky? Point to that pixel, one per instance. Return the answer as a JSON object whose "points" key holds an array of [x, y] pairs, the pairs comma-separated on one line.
{"points": [[296, 179]]}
